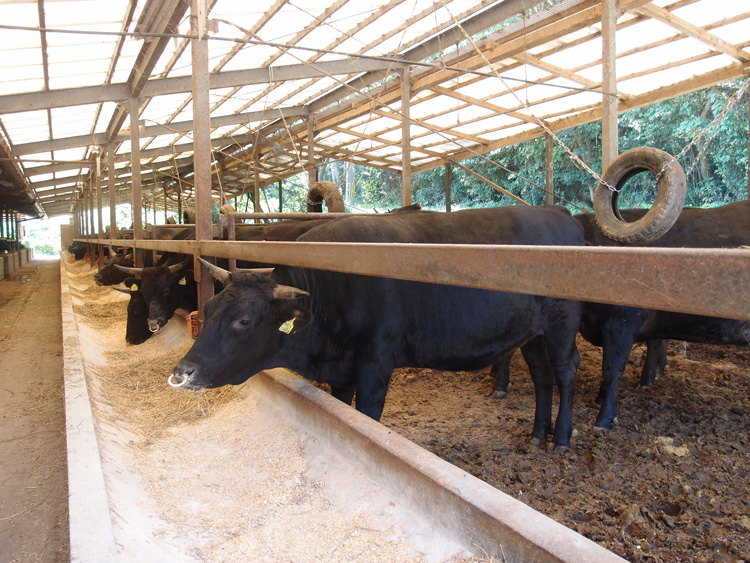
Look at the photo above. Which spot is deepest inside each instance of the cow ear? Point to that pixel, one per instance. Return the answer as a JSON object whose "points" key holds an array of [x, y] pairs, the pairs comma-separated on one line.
{"points": [[293, 318], [131, 283]]}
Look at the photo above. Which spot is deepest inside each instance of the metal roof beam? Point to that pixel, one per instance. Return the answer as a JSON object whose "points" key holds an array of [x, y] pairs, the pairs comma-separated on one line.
{"points": [[65, 97], [156, 130]]}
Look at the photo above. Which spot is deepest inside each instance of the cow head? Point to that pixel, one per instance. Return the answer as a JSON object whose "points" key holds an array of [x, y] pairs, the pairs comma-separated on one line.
{"points": [[163, 288], [136, 328], [109, 274], [245, 326]]}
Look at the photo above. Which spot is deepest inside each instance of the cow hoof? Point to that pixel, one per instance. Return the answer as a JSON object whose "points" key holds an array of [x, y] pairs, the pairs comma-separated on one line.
{"points": [[560, 450], [601, 431], [537, 441], [498, 394]]}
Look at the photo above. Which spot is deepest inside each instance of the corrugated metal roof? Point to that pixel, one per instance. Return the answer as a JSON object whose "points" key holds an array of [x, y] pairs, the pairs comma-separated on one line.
{"points": [[483, 75]]}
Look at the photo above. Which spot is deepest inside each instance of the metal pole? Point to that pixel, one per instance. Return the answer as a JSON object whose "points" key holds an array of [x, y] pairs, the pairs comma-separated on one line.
{"points": [[135, 156], [549, 147], [312, 169], [112, 192], [201, 143], [609, 83], [164, 190], [99, 216], [256, 193], [448, 179], [91, 206], [405, 139]]}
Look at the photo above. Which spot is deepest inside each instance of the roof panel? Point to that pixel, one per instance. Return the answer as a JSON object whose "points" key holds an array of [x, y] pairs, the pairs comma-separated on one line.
{"points": [[652, 55]]}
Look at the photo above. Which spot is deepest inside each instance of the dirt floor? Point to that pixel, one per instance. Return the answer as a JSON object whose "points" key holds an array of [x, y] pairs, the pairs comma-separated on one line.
{"points": [[33, 471], [670, 483]]}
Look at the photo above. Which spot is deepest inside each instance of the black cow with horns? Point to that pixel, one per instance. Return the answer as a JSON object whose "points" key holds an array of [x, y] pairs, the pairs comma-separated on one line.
{"points": [[109, 274], [352, 331]]}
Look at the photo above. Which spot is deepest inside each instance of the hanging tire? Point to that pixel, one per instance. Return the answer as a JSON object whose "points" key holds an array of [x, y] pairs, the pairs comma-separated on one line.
{"points": [[670, 196], [324, 191]]}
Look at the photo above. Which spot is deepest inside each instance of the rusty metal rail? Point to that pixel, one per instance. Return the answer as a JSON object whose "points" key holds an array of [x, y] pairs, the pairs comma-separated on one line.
{"points": [[714, 282]]}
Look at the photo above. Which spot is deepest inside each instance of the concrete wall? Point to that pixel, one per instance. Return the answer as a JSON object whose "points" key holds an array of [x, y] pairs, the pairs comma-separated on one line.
{"points": [[66, 236]]}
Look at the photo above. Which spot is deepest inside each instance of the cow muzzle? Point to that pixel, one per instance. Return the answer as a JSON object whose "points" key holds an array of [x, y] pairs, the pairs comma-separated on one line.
{"points": [[154, 326], [181, 378], [178, 379]]}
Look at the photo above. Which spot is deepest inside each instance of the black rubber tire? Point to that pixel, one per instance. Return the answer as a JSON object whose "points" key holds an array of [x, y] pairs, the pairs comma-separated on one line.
{"points": [[670, 196], [328, 192]]}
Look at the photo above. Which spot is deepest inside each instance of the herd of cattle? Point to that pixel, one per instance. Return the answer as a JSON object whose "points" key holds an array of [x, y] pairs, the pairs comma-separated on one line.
{"points": [[352, 331]]}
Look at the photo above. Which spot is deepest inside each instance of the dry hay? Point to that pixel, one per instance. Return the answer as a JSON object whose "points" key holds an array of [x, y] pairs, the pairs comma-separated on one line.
{"points": [[227, 477], [135, 386], [132, 380]]}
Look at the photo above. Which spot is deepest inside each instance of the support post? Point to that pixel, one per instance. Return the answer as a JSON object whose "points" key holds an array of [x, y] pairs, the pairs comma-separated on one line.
{"points": [[100, 256], [549, 153], [92, 232], [112, 192], [135, 156], [448, 180], [609, 83], [406, 138], [164, 191], [201, 143], [256, 193], [312, 169]]}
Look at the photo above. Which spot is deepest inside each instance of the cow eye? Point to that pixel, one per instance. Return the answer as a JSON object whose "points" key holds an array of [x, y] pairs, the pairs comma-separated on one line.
{"points": [[244, 322]]}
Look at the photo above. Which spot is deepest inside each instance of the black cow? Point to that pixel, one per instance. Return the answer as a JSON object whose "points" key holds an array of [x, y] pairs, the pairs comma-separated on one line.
{"points": [[136, 328], [168, 286], [109, 274], [165, 292], [77, 249], [165, 289], [616, 328], [352, 331]]}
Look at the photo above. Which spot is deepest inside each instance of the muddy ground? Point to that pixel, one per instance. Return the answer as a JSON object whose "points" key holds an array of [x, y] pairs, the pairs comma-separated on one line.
{"points": [[669, 483]]}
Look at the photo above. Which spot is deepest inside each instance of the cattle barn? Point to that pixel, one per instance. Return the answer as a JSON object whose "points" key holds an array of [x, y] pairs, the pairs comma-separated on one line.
{"points": [[210, 144]]}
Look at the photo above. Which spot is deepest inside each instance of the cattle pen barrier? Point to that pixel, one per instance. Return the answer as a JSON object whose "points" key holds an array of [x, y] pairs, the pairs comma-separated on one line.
{"points": [[454, 504]]}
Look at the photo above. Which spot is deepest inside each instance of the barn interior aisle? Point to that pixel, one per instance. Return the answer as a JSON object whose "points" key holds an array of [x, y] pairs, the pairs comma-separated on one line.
{"points": [[33, 469]]}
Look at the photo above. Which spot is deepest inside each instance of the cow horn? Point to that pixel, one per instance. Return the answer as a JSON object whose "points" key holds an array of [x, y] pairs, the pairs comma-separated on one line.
{"points": [[112, 253], [174, 268], [121, 289], [219, 273], [128, 270], [288, 292]]}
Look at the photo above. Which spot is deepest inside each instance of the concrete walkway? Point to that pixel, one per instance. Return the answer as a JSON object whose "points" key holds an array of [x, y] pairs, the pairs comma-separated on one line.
{"points": [[33, 468]]}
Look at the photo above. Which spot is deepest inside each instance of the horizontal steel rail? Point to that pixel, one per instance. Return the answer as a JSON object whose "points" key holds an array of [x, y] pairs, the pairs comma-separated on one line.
{"points": [[714, 282]]}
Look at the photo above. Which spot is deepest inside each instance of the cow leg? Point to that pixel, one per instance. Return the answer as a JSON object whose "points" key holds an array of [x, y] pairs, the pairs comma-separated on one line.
{"points": [[373, 380], [564, 359], [615, 354], [535, 354], [344, 393], [500, 374], [656, 361]]}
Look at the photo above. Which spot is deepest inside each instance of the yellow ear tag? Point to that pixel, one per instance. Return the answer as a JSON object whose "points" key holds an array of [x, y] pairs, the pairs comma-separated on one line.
{"points": [[288, 326], [134, 287], [183, 281]]}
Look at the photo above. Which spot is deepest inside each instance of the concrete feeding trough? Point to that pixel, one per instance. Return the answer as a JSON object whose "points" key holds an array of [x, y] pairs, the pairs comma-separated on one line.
{"points": [[281, 471]]}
